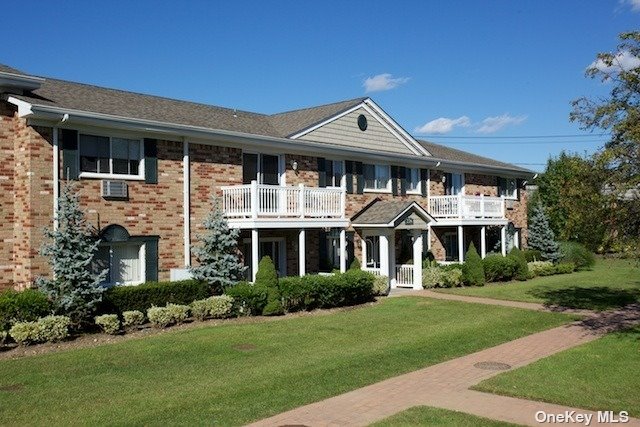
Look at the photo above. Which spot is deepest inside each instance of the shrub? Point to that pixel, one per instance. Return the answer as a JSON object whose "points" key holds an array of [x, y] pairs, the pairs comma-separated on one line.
{"points": [[25, 306], [472, 269], [432, 277], [267, 277], [540, 268], [355, 264], [429, 260], [532, 255], [3, 336], [452, 277], [521, 271], [577, 254], [109, 323], [499, 268], [126, 298], [565, 268], [179, 312], [249, 300], [216, 307], [160, 317], [25, 332], [132, 318], [381, 285], [200, 309], [54, 328]]}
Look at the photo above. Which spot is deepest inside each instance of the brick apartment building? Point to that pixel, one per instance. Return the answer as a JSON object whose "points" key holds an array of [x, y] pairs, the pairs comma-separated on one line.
{"points": [[312, 188]]}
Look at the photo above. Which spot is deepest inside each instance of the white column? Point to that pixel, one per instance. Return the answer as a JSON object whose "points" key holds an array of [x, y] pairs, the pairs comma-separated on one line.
{"points": [[186, 204], [254, 254], [460, 243], [343, 250], [392, 258], [503, 240], [56, 177], [363, 245], [254, 199], [384, 256], [483, 241], [417, 260], [428, 237], [302, 252]]}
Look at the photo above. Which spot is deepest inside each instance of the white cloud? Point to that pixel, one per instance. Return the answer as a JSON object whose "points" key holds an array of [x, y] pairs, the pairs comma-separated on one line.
{"points": [[634, 5], [382, 82], [494, 124], [443, 125], [622, 61]]}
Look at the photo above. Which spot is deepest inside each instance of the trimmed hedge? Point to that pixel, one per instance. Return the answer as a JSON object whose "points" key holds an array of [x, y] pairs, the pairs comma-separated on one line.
{"points": [[498, 268], [472, 269], [446, 276], [22, 306], [522, 271], [126, 298], [267, 277], [576, 253]]}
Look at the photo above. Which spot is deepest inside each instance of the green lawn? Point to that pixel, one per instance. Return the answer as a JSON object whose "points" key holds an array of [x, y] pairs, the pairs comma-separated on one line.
{"points": [[428, 416], [600, 375], [611, 283], [235, 373]]}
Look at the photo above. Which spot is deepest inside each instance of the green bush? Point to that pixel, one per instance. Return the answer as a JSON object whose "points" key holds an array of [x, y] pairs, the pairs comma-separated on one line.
{"points": [[54, 328], [577, 254], [200, 309], [355, 264], [452, 277], [532, 255], [381, 285], [249, 300], [3, 336], [160, 317], [25, 306], [429, 260], [217, 307], [132, 318], [541, 268], [179, 312], [109, 323], [521, 271], [126, 298], [565, 268], [446, 276], [267, 277], [499, 268], [432, 277], [472, 269], [25, 333]]}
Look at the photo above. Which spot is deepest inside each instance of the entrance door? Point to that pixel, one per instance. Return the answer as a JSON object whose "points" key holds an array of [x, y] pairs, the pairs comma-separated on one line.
{"points": [[274, 248]]}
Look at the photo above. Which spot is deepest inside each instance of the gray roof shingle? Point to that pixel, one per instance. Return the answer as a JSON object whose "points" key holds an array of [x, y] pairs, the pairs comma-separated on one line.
{"points": [[380, 212], [447, 153]]}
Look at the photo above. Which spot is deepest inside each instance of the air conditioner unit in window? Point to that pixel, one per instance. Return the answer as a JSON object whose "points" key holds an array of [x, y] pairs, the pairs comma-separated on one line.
{"points": [[114, 189]]}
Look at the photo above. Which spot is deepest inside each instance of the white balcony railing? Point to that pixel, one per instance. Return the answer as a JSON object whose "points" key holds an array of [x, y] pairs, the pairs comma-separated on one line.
{"points": [[467, 207], [260, 200], [404, 275]]}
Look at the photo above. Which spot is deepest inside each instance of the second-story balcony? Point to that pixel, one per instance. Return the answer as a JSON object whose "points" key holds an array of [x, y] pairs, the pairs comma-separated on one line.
{"points": [[273, 202], [462, 207]]}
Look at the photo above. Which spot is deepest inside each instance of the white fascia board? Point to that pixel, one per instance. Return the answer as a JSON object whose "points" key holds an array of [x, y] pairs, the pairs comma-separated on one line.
{"points": [[19, 81], [391, 129], [479, 221], [419, 210], [24, 108], [280, 223], [324, 122]]}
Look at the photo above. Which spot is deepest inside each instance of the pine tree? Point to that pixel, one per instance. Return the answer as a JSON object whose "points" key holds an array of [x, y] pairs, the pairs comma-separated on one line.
{"points": [[541, 236], [217, 256], [267, 277], [75, 289], [473, 269]]}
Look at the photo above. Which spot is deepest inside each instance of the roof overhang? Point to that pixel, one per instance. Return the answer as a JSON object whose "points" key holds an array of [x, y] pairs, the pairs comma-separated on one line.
{"points": [[414, 207], [18, 83]]}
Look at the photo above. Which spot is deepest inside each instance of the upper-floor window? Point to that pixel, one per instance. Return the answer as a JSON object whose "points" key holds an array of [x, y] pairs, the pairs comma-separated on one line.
{"points": [[413, 180], [452, 184], [264, 168], [377, 177], [110, 155], [508, 187], [335, 172]]}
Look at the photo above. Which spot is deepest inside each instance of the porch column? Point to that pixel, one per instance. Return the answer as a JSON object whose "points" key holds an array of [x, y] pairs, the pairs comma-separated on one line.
{"points": [[254, 254], [417, 259], [302, 252], [343, 250], [503, 240], [483, 241], [460, 244], [363, 245], [392, 258], [384, 256]]}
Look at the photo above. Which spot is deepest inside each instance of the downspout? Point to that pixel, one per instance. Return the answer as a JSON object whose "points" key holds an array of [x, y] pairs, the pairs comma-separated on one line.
{"points": [[186, 202], [56, 170]]}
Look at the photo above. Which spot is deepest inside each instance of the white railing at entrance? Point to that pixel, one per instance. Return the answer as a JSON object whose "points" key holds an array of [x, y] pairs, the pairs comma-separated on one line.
{"points": [[404, 275]]}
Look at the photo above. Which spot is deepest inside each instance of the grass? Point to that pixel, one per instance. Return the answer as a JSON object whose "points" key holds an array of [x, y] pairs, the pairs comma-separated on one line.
{"points": [[600, 375], [610, 284], [235, 373], [428, 416]]}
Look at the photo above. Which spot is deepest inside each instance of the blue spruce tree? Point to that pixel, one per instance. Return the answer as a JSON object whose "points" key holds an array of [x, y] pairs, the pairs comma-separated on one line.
{"points": [[217, 255], [541, 236], [75, 289]]}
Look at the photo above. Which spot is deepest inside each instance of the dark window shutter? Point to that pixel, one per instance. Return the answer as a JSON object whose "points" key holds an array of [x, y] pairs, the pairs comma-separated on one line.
{"points": [[424, 177], [519, 185], [502, 186], [150, 161], [70, 154], [322, 172], [403, 180], [359, 178], [394, 180], [350, 247], [322, 251], [348, 167], [151, 259]]}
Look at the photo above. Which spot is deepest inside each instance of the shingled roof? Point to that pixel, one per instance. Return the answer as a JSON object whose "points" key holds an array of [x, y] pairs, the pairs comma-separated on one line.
{"points": [[447, 153]]}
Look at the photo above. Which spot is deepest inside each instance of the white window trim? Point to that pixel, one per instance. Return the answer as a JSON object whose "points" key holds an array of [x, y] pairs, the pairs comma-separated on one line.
{"points": [[455, 236], [463, 180], [142, 255], [418, 189], [378, 190], [282, 167], [515, 188], [139, 177], [343, 179]]}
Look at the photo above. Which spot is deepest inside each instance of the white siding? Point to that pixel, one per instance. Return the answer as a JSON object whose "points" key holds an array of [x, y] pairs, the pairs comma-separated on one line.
{"points": [[345, 131]]}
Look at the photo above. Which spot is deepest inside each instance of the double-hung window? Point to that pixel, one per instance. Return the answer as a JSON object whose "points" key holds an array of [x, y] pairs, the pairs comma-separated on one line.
{"points": [[508, 188], [413, 180], [453, 184], [377, 177], [335, 172], [110, 156]]}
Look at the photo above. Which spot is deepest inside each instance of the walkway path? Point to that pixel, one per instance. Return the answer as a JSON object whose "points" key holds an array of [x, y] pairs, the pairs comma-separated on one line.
{"points": [[446, 385]]}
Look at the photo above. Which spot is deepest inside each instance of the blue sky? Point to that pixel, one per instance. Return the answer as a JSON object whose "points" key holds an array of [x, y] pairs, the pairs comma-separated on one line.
{"points": [[491, 69]]}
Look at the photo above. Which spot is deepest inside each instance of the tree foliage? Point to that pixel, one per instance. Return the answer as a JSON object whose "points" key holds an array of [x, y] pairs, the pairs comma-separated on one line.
{"points": [[472, 269], [75, 289], [217, 254], [541, 236]]}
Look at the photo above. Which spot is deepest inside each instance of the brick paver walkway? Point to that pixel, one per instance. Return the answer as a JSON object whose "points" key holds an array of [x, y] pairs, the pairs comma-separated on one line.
{"points": [[446, 385]]}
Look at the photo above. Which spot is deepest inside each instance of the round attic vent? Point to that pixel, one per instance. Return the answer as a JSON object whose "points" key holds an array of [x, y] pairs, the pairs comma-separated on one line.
{"points": [[362, 122]]}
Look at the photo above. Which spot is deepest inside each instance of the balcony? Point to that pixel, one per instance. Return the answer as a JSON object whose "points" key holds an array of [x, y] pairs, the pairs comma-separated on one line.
{"points": [[462, 207], [277, 203]]}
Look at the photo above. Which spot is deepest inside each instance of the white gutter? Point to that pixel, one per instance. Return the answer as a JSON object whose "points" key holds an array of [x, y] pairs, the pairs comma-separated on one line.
{"points": [[46, 112], [186, 202], [56, 171]]}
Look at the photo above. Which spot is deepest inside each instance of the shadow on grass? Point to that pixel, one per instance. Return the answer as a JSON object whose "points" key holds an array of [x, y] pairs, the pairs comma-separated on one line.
{"points": [[597, 298]]}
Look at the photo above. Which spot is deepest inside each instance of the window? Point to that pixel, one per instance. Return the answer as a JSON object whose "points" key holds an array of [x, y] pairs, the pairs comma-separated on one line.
{"points": [[413, 180], [110, 156], [376, 177], [450, 243], [452, 184], [373, 252], [335, 172], [333, 249], [264, 168], [508, 187], [124, 261]]}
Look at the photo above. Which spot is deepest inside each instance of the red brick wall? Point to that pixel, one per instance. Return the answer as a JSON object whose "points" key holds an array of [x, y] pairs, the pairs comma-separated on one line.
{"points": [[7, 211]]}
